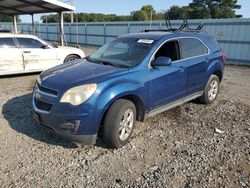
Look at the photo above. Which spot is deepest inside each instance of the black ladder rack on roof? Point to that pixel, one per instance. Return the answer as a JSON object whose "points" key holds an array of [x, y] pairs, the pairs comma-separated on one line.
{"points": [[184, 27]]}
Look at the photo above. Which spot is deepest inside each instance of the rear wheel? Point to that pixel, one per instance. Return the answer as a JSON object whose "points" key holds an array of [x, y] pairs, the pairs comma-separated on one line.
{"points": [[71, 58], [119, 123], [211, 91]]}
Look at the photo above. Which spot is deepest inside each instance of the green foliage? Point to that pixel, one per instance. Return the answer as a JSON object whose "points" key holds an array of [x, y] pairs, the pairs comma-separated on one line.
{"points": [[204, 9], [85, 17], [198, 9], [146, 13], [140, 15], [176, 12], [5, 18]]}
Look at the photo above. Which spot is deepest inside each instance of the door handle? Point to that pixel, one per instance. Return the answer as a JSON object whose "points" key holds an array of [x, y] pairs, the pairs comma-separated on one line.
{"points": [[181, 69], [26, 52]]}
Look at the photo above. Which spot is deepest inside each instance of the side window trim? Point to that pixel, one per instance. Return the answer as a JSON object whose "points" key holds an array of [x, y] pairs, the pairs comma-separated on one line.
{"points": [[178, 39], [12, 40], [194, 38], [163, 43], [19, 45]]}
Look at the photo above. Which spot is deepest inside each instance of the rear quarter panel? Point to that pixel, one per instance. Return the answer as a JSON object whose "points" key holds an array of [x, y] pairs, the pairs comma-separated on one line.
{"points": [[215, 57]]}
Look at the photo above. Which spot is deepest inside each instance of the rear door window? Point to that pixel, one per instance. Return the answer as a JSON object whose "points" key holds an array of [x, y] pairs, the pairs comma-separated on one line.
{"points": [[7, 42], [191, 47], [29, 43]]}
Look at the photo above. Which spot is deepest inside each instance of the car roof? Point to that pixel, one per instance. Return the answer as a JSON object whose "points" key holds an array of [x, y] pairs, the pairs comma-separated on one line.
{"points": [[165, 35], [16, 35], [148, 35]]}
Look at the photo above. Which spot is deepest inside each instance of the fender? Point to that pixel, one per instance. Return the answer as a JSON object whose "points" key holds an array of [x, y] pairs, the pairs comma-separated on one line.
{"points": [[215, 65], [111, 93]]}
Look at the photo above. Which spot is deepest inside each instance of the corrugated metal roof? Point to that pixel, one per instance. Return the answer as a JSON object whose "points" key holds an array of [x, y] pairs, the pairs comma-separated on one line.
{"points": [[21, 7]]}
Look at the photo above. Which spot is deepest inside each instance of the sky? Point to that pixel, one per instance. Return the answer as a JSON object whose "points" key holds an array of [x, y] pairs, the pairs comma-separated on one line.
{"points": [[124, 7]]}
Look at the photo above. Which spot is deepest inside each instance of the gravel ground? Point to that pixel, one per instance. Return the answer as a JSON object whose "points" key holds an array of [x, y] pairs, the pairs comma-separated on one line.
{"points": [[178, 148]]}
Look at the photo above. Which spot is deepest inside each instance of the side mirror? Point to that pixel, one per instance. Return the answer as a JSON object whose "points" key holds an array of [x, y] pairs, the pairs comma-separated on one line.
{"points": [[161, 61], [45, 46]]}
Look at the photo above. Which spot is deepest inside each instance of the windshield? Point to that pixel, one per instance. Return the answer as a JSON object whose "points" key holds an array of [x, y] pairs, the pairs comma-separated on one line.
{"points": [[122, 52]]}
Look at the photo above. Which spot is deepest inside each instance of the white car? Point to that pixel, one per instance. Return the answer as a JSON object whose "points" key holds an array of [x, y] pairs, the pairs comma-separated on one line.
{"points": [[21, 53]]}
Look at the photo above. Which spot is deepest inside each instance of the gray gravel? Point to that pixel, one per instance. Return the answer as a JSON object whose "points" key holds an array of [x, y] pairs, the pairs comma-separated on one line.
{"points": [[178, 148]]}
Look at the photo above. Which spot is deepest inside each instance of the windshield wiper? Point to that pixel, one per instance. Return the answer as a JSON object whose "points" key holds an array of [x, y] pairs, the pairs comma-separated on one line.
{"points": [[101, 62], [90, 59], [109, 63]]}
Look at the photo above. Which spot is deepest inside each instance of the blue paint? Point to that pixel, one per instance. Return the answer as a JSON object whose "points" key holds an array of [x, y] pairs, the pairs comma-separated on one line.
{"points": [[154, 87]]}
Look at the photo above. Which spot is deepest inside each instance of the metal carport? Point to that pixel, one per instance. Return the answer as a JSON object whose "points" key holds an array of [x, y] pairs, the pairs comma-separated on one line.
{"points": [[22, 7]]}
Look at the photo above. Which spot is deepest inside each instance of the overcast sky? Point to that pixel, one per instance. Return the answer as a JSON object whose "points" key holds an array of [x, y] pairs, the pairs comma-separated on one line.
{"points": [[124, 7]]}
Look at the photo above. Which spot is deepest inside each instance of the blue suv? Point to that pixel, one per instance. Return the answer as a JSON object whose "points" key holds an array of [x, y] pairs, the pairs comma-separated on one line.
{"points": [[129, 79]]}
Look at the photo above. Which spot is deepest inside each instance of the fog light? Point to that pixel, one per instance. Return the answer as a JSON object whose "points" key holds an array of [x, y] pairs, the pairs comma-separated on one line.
{"points": [[70, 127]]}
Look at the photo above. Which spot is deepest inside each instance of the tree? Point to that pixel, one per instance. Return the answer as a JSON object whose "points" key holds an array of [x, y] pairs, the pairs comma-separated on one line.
{"points": [[204, 9], [85, 17], [146, 13], [224, 8], [5, 18], [176, 12], [198, 10], [214, 9]]}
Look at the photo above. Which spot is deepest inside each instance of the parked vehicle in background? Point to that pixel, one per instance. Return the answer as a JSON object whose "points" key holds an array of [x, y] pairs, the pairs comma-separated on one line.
{"points": [[21, 53], [4, 31], [127, 80]]}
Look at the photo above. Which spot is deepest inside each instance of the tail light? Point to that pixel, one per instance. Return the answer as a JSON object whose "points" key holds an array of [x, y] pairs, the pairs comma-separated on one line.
{"points": [[223, 57]]}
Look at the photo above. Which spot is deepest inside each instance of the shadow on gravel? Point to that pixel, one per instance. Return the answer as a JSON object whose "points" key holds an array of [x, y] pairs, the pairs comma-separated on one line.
{"points": [[17, 111]]}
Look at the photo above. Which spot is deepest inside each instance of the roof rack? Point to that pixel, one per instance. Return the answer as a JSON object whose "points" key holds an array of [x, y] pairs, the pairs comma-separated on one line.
{"points": [[184, 27], [160, 30]]}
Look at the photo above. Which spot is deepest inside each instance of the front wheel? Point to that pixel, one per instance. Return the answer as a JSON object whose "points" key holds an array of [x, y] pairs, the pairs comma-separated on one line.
{"points": [[71, 58], [211, 91], [119, 123]]}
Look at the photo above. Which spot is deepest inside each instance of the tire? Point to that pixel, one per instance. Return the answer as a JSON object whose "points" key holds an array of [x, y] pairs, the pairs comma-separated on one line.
{"points": [[113, 133], [71, 58], [211, 90]]}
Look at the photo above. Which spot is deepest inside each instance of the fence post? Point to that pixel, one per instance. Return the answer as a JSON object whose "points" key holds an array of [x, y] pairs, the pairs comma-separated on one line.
{"points": [[105, 33], [70, 40], [47, 29], [85, 30], [128, 28]]}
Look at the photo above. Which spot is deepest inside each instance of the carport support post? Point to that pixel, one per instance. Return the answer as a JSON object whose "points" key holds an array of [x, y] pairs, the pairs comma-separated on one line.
{"points": [[33, 25], [61, 28], [14, 24]]}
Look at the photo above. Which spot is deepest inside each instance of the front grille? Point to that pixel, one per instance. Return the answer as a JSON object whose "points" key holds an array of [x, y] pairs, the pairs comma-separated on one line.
{"points": [[43, 105], [47, 90]]}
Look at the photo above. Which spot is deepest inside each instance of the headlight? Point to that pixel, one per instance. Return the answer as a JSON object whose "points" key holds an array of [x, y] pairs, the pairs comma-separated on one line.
{"points": [[78, 95]]}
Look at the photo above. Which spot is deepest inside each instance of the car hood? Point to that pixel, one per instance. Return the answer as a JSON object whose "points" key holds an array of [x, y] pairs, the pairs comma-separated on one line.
{"points": [[77, 73]]}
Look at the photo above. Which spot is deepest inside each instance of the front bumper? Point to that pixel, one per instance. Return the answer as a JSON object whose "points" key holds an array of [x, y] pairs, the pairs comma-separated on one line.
{"points": [[83, 139], [76, 124]]}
